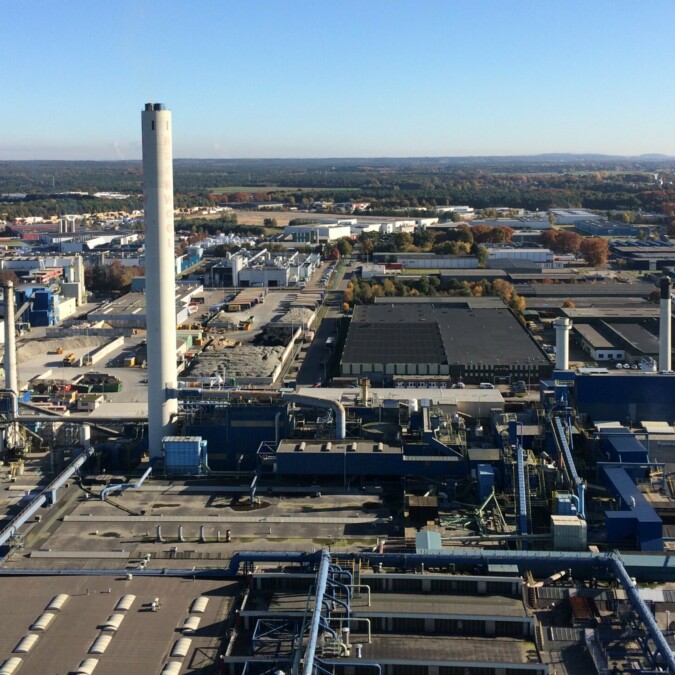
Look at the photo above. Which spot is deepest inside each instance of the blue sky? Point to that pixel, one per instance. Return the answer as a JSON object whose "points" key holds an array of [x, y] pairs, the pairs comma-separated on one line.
{"points": [[336, 78]]}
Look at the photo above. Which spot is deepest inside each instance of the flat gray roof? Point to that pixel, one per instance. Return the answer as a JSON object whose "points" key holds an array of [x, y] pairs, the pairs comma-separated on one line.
{"points": [[408, 649], [336, 447], [588, 289], [622, 311], [144, 639], [592, 336], [403, 604]]}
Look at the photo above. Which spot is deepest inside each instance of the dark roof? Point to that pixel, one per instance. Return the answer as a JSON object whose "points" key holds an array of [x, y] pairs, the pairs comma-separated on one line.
{"points": [[639, 337], [442, 334], [413, 343], [513, 265], [604, 288]]}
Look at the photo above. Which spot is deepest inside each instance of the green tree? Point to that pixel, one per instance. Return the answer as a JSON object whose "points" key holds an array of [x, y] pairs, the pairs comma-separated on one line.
{"points": [[483, 255], [344, 247], [402, 241]]}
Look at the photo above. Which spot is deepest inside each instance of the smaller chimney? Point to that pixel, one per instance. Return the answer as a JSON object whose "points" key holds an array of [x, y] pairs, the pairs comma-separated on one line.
{"points": [[562, 343], [11, 377], [665, 328]]}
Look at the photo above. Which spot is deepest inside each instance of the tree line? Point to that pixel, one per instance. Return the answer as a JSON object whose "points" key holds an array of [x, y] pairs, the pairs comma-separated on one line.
{"points": [[364, 291]]}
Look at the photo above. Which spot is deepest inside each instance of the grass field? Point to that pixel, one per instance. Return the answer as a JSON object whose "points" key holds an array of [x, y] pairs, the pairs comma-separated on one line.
{"points": [[240, 188]]}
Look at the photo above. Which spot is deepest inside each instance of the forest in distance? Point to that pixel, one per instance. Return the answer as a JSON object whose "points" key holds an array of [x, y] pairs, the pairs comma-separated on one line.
{"points": [[603, 183]]}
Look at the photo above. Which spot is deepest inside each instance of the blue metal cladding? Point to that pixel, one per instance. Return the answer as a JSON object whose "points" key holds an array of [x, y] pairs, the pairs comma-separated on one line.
{"points": [[486, 480], [234, 434], [366, 464], [42, 299], [636, 522], [183, 455], [620, 445], [634, 396]]}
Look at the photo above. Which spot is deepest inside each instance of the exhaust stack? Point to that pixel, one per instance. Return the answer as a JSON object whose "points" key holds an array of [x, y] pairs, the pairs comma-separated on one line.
{"points": [[160, 272], [562, 343], [11, 376], [665, 326]]}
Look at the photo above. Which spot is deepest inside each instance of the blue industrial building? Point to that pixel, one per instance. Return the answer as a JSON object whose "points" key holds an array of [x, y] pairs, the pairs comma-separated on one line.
{"points": [[624, 397], [43, 304], [636, 524], [234, 431]]}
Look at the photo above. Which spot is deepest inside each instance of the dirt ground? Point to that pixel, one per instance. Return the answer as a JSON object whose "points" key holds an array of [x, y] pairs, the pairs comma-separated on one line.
{"points": [[30, 349]]}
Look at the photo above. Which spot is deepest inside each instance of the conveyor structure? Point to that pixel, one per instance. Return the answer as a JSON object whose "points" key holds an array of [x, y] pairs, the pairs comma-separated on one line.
{"points": [[565, 451]]}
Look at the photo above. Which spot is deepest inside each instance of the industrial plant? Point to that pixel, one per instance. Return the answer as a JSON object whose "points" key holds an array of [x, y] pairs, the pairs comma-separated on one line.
{"points": [[243, 476]]}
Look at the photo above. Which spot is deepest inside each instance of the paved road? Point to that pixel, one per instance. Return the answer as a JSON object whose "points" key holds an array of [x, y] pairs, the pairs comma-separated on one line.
{"points": [[321, 359]]}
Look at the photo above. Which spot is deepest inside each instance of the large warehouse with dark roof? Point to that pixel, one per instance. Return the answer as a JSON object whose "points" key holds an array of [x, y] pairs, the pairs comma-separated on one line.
{"points": [[469, 340]]}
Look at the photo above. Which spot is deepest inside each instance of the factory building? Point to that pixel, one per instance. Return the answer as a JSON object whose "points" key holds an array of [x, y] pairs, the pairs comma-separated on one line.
{"points": [[474, 341], [319, 233], [605, 228], [131, 310], [646, 256], [263, 268]]}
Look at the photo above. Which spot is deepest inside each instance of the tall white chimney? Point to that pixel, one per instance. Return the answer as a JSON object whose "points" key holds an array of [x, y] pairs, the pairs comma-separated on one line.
{"points": [[11, 376], [160, 272], [665, 329], [562, 343]]}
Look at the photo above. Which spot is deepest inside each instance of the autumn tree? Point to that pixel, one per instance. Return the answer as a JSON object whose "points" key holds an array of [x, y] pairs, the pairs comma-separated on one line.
{"points": [[595, 251], [568, 242], [114, 277], [561, 241], [8, 275], [389, 288]]}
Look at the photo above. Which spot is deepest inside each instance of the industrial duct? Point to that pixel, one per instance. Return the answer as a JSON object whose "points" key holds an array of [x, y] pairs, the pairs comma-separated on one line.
{"points": [[316, 402]]}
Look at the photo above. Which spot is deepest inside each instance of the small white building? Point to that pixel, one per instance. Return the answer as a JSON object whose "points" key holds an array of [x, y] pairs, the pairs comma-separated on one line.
{"points": [[542, 256], [318, 233]]}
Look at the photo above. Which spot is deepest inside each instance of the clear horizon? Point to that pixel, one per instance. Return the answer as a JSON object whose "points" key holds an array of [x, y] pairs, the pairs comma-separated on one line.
{"points": [[302, 80]]}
